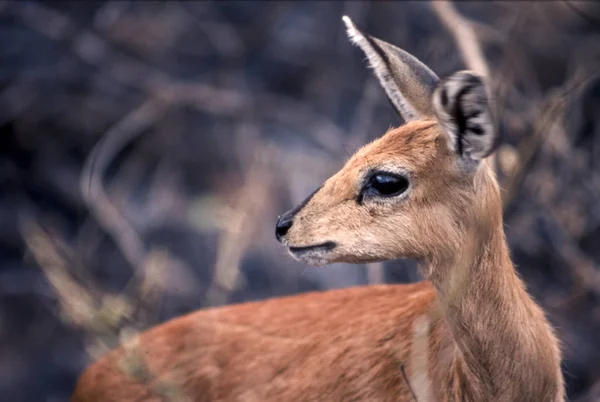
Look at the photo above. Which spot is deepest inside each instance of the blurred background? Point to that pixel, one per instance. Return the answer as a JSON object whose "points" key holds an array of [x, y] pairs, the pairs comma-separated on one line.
{"points": [[147, 149]]}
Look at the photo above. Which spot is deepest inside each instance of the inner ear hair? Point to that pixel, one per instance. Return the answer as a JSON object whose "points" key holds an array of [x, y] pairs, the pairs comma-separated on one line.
{"points": [[461, 106]]}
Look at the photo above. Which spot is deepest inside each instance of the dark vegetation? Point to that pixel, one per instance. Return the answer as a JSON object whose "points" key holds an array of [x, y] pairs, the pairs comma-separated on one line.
{"points": [[147, 149]]}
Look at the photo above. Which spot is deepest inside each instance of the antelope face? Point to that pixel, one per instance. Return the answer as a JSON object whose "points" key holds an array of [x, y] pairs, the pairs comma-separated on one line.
{"points": [[409, 193]]}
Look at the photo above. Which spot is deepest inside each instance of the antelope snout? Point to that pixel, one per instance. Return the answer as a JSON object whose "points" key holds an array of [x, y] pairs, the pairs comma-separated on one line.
{"points": [[284, 223]]}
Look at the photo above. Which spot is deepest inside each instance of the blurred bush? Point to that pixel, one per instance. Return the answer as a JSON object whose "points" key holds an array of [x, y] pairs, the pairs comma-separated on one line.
{"points": [[148, 147]]}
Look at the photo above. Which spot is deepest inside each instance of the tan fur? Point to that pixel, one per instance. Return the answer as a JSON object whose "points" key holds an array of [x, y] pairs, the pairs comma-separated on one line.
{"points": [[452, 223], [469, 333], [340, 345]]}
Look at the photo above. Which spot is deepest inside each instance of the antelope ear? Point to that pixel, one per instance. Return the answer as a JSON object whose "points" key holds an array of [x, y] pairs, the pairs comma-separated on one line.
{"points": [[462, 109], [408, 83]]}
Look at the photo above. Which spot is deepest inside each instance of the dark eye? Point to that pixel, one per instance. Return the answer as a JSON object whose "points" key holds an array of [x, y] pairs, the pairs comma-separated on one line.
{"points": [[386, 185]]}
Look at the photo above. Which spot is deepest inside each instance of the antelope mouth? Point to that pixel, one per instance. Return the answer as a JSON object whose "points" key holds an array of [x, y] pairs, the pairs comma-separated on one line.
{"points": [[327, 246], [315, 254]]}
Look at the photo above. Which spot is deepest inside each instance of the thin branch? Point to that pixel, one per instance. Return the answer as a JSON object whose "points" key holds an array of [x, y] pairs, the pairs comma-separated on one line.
{"points": [[589, 18], [91, 48], [101, 315], [234, 240], [464, 36], [78, 305], [91, 181], [94, 50]]}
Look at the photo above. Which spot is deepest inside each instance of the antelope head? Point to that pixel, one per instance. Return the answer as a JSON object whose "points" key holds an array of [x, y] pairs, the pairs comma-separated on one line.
{"points": [[418, 190]]}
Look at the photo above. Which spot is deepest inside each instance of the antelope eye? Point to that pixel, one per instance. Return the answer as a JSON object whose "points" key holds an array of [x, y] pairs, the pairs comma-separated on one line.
{"points": [[386, 185]]}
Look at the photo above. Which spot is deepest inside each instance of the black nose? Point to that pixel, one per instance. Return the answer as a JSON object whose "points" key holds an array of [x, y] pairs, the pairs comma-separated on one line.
{"points": [[283, 225]]}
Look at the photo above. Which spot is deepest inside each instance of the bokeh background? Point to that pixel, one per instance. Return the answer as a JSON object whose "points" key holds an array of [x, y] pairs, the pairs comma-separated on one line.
{"points": [[147, 148]]}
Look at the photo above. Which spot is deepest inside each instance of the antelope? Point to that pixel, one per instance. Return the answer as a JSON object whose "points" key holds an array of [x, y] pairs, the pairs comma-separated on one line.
{"points": [[424, 191]]}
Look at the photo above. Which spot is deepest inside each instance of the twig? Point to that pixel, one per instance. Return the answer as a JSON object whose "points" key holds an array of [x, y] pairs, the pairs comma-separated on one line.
{"points": [[224, 37], [464, 36], [91, 48], [235, 238], [590, 19], [92, 189], [133, 364], [100, 316], [78, 304]]}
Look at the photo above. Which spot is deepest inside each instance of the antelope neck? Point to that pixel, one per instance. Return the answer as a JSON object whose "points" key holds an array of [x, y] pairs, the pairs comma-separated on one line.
{"points": [[491, 318]]}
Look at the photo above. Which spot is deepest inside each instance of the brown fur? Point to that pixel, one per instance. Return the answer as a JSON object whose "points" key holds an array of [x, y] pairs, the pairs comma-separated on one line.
{"points": [[340, 345], [469, 333]]}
